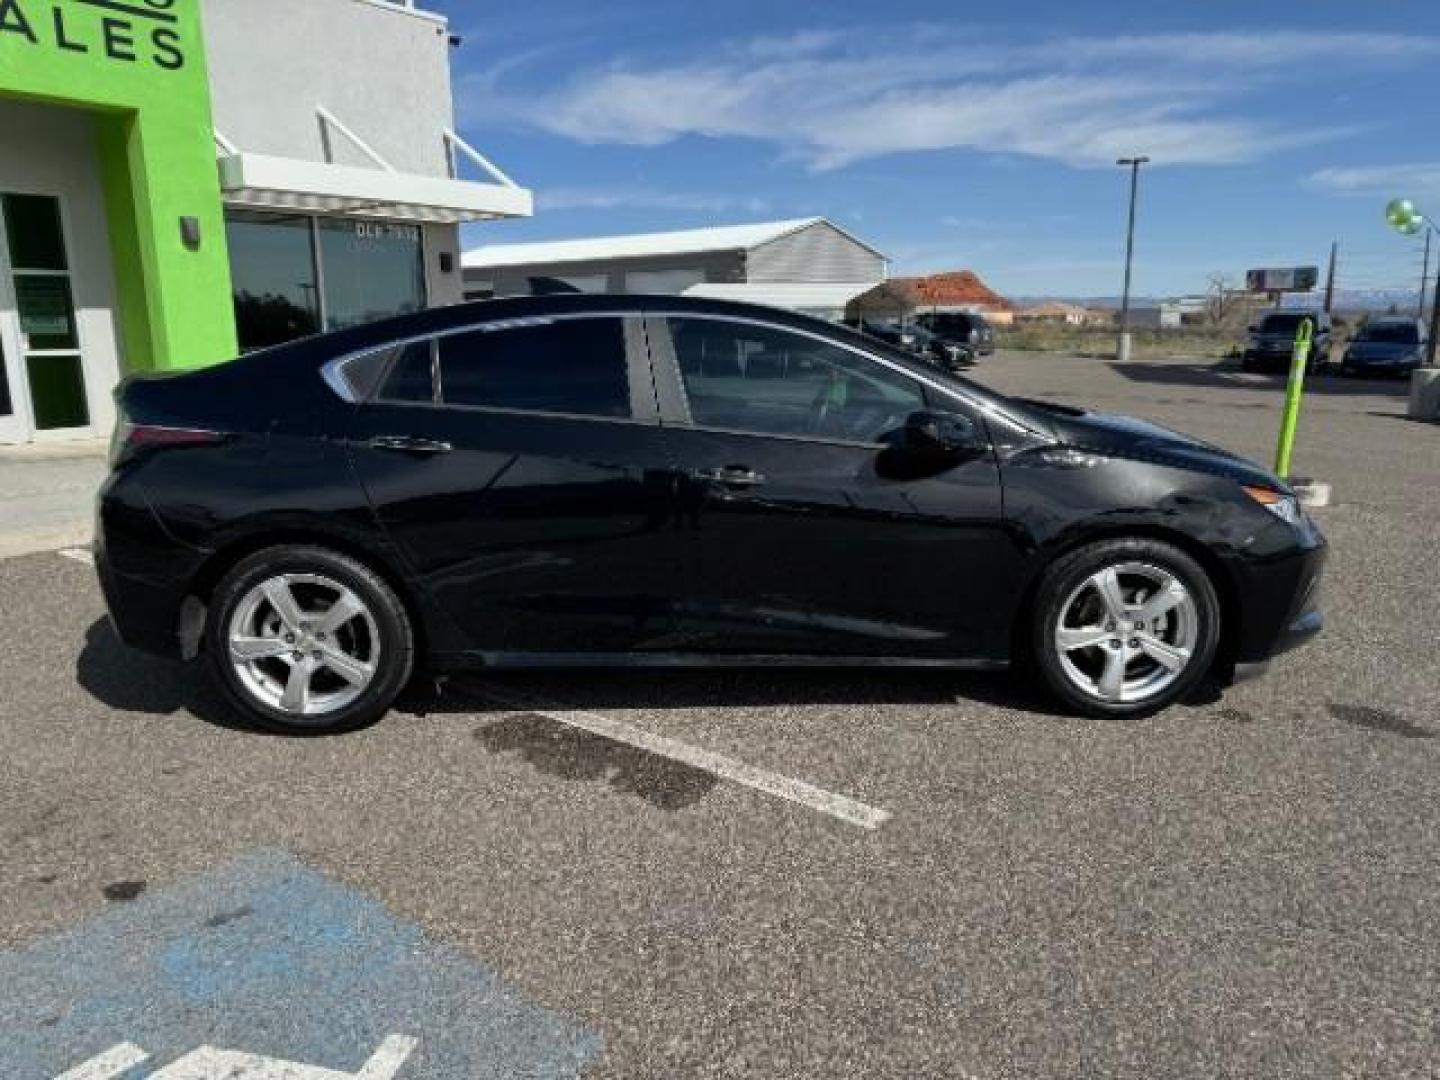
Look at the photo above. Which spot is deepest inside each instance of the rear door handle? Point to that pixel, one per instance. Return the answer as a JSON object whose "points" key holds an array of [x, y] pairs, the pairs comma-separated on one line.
{"points": [[410, 444], [731, 476]]}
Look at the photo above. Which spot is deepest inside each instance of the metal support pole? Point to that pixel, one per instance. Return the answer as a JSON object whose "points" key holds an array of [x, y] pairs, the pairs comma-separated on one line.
{"points": [[1434, 317], [1330, 277], [1424, 277], [1124, 344]]}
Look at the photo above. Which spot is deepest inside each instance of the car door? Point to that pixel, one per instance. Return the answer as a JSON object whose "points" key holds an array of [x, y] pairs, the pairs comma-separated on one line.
{"points": [[809, 537], [518, 467]]}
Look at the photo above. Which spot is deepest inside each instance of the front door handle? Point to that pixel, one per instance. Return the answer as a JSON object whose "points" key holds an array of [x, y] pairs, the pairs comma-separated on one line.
{"points": [[731, 476], [410, 444]]}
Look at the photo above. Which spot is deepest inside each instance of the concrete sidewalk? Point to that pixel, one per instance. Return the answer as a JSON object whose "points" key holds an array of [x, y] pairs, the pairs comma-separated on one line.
{"points": [[47, 495]]}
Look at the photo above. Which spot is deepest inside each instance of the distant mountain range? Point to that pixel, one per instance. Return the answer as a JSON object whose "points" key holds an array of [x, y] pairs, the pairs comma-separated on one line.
{"points": [[1403, 300]]}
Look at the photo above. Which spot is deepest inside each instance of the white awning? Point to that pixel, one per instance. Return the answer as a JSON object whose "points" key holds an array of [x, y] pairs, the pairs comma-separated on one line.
{"points": [[808, 296], [261, 182]]}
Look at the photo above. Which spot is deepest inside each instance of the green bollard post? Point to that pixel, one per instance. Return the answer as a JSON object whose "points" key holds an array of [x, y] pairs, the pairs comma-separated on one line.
{"points": [[1290, 420]]}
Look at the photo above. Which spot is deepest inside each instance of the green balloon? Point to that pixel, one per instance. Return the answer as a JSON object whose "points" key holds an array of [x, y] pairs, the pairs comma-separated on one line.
{"points": [[1402, 215]]}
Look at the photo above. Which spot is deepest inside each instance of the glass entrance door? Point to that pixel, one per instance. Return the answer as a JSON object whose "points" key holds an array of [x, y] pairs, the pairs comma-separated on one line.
{"points": [[14, 423], [39, 335]]}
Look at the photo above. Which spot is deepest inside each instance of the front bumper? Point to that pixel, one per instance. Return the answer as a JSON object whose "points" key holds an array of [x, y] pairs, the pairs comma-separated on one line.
{"points": [[1296, 634], [1275, 359], [1278, 600]]}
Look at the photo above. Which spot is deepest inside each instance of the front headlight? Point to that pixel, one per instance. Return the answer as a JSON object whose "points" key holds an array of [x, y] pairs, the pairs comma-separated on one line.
{"points": [[1285, 507]]}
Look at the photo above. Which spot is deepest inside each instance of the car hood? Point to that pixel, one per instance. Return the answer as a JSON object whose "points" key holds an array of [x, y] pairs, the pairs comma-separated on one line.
{"points": [[1121, 436]]}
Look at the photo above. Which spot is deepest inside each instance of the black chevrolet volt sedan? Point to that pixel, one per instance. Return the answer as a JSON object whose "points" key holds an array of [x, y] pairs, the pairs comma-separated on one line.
{"points": [[633, 481]]}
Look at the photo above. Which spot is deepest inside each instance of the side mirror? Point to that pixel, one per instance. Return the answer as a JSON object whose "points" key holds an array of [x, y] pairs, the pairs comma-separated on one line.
{"points": [[942, 435], [1252, 329]]}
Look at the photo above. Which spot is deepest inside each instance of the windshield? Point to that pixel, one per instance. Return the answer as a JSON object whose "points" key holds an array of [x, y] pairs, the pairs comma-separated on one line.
{"points": [[1392, 333], [955, 322], [1286, 322]]}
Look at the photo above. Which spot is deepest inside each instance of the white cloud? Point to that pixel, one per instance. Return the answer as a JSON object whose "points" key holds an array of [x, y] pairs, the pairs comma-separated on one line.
{"points": [[1390, 181], [832, 97]]}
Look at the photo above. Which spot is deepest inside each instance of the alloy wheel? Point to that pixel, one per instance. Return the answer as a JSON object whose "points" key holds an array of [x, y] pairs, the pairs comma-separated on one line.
{"points": [[303, 644], [1127, 633]]}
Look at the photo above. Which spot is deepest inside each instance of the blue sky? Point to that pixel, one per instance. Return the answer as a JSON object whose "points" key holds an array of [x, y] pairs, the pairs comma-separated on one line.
{"points": [[972, 135]]}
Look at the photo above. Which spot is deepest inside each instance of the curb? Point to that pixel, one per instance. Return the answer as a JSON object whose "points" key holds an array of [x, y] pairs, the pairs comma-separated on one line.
{"points": [[16, 542], [1313, 494]]}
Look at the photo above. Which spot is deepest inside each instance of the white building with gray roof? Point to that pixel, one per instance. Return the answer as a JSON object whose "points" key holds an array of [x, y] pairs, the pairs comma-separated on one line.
{"points": [[805, 264]]}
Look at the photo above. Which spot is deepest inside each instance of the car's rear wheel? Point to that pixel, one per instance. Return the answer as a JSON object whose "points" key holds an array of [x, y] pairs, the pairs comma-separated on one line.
{"points": [[301, 639], [1125, 627]]}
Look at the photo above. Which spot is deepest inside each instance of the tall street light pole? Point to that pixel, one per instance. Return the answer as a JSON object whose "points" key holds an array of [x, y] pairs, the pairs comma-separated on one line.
{"points": [[1134, 164], [1405, 219], [1424, 277]]}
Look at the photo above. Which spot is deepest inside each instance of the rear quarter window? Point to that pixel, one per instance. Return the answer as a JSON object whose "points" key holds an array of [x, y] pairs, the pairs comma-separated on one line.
{"points": [[572, 367], [410, 376]]}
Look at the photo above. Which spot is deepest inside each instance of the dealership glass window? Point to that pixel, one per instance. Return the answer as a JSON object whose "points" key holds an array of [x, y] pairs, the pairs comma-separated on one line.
{"points": [[372, 270], [296, 274], [272, 272], [574, 366]]}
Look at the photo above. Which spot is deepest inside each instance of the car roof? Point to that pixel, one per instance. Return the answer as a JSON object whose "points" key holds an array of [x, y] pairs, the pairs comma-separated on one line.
{"points": [[320, 349], [440, 320]]}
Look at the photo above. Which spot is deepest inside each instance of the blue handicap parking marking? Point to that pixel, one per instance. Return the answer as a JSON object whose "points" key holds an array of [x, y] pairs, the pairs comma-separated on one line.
{"points": [[266, 970]]}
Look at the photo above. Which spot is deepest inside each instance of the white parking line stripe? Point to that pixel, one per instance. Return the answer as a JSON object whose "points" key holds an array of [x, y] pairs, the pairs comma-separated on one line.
{"points": [[386, 1061], [80, 555], [118, 1059], [726, 768]]}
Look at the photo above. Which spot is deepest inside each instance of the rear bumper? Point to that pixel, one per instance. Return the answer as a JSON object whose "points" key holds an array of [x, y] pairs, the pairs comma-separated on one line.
{"points": [[144, 572], [1380, 367]]}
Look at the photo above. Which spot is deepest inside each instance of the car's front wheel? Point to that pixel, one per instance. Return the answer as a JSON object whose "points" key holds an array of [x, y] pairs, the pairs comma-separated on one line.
{"points": [[1125, 627], [302, 639]]}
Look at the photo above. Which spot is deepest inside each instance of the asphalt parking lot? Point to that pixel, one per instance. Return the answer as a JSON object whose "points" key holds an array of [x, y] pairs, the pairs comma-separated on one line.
{"points": [[756, 874]]}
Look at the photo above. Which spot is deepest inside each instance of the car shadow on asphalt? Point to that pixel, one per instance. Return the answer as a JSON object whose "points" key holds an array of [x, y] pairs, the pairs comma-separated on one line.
{"points": [[1425, 420], [1227, 375], [131, 681], [124, 679]]}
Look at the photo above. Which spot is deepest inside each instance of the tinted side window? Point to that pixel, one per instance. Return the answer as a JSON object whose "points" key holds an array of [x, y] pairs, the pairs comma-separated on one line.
{"points": [[411, 376], [568, 366], [773, 382]]}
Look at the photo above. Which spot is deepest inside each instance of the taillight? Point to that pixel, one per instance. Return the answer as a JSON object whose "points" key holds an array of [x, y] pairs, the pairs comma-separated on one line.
{"points": [[118, 438], [131, 439]]}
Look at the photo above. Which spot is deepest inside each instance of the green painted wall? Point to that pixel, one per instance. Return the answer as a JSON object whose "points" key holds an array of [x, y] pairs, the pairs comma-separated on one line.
{"points": [[140, 67]]}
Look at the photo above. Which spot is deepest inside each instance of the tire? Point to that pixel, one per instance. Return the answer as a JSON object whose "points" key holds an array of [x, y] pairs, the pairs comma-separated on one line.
{"points": [[1082, 675], [1247, 363], [278, 663]]}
